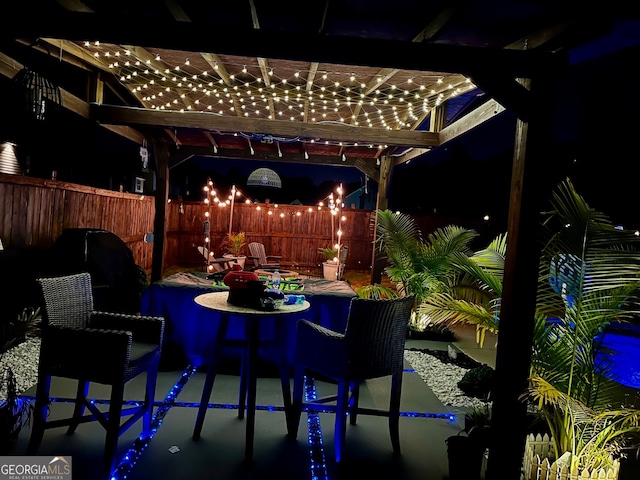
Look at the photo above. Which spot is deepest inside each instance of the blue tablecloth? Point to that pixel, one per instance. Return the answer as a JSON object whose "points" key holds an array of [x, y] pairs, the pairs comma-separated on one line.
{"points": [[191, 327]]}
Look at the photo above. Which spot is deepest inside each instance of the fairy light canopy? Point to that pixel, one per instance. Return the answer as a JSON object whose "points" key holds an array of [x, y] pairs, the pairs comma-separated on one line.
{"points": [[264, 177], [276, 89]]}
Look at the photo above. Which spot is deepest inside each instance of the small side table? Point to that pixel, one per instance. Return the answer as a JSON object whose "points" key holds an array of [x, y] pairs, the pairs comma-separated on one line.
{"points": [[217, 301]]}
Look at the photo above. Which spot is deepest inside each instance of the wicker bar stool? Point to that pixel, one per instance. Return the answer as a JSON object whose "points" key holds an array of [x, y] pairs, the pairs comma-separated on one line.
{"points": [[89, 346], [372, 346]]}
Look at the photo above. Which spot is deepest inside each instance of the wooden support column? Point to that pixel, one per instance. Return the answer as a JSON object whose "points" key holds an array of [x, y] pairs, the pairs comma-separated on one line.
{"points": [[437, 118], [531, 185], [382, 202], [95, 88], [161, 152]]}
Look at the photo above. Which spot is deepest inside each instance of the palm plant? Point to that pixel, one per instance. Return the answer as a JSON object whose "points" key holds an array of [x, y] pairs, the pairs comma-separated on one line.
{"points": [[417, 265], [235, 242], [589, 278], [420, 266], [473, 296], [329, 253]]}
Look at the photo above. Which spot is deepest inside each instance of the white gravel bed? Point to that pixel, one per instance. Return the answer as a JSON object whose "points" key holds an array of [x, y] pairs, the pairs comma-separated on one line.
{"points": [[23, 360], [441, 378]]}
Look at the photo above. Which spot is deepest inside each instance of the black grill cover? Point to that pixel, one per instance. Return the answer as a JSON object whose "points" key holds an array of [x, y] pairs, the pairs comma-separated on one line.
{"points": [[116, 279]]}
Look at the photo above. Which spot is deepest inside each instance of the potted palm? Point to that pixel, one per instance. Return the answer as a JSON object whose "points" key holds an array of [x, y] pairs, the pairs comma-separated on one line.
{"points": [[234, 246], [330, 264]]}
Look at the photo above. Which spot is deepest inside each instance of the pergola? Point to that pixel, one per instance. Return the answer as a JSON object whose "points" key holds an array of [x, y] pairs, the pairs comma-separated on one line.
{"points": [[349, 83]]}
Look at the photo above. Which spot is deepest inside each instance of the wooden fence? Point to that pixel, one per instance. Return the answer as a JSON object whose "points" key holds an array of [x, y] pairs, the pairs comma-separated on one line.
{"points": [[294, 232], [539, 463], [34, 211]]}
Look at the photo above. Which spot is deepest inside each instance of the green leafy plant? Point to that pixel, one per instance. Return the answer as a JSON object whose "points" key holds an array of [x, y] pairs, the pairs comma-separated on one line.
{"points": [[376, 291], [15, 412], [421, 266], [477, 382], [16, 331], [235, 243], [329, 253], [589, 278], [477, 423], [474, 294]]}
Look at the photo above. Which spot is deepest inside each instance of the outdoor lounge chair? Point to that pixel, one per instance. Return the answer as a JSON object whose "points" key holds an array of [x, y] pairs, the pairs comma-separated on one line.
{"points": [[88, 346], [342, 262], [371, 346], [260, 258]]}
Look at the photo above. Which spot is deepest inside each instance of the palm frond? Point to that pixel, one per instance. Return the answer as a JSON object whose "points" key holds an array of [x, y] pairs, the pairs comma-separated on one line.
{"points": [[588, 279], [443, 309], [376, 291]]}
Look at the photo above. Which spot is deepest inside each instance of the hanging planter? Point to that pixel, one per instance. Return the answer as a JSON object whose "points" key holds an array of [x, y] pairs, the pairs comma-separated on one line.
{"points": [[540, 463]]}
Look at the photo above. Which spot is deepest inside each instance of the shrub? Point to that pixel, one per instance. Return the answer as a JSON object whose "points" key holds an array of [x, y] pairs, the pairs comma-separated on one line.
{"points": [[477, 382]]}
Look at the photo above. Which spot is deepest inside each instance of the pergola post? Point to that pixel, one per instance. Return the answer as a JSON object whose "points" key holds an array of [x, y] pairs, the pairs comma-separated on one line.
{"points": [[531, 185], [161, 199], [377, 259]]}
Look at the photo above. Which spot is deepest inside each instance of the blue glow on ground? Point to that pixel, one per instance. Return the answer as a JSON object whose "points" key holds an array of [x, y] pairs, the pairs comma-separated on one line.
{"points": [[317, 460]]}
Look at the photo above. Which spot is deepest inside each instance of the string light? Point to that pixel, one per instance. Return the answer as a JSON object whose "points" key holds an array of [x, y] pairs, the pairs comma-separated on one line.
{"points": [[428, 87]]}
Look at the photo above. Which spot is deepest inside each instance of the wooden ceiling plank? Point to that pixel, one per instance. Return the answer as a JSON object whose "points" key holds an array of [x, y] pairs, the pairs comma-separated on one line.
{"points": [[368, 168], [264, 69], [234, 154], [344, 133], [313, 71], [176, 11], [212, 140], [173, 135], [126, 132], [145, 56], [383, 53], [410, 155], [218, 66], [509, 92], [488, 110], [79, 57], [440, 21]]}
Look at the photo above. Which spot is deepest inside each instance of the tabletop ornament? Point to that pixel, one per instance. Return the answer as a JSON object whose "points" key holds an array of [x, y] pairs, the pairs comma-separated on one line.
{"points": [[247, 290]]}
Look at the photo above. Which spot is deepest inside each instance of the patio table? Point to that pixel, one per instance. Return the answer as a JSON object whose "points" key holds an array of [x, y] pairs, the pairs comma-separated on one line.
{"points": [[189, 327]]}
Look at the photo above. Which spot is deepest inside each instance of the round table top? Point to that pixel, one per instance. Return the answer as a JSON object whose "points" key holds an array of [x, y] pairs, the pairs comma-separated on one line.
{"points": [[218, 301]]}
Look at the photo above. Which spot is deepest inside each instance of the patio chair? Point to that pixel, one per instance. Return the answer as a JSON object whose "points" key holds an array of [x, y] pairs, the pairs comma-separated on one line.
{"points": [[371, 346], [260, 258], [88, 346]]}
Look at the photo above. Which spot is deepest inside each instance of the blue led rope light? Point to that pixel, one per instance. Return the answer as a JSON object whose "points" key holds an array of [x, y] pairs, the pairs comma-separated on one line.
{"points": [[317, 461], [142, 442]]}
